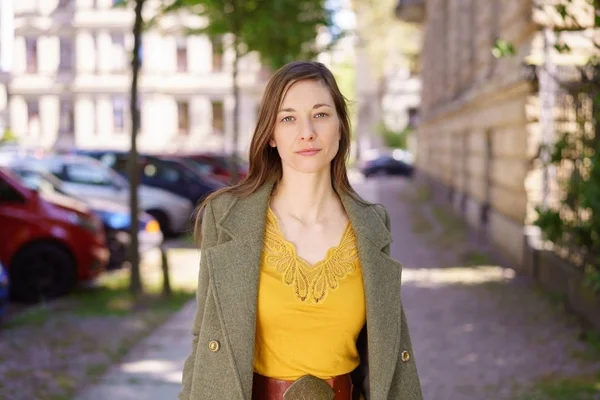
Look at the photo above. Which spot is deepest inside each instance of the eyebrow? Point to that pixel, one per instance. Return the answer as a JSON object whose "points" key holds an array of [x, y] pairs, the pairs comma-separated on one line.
{"points": [[319, 105]]}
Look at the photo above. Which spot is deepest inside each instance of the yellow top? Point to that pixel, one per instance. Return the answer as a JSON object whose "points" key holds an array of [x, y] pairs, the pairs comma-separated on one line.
{"points": [[308, 317]]}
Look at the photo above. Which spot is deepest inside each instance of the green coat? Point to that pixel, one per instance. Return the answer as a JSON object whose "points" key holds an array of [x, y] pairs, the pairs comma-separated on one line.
{"points": [[221, 363]]}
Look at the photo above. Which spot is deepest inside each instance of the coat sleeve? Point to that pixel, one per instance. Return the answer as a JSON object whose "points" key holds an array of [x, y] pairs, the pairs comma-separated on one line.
{"points": [[405, 384], [208, 232]]}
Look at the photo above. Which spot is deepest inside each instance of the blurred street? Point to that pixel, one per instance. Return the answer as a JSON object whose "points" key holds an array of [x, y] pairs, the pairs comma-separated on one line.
{"points": [[478, 331], [474, 122]]}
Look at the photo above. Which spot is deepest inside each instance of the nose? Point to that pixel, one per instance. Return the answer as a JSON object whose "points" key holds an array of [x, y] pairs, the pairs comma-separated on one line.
{"points": [[307, 131]]}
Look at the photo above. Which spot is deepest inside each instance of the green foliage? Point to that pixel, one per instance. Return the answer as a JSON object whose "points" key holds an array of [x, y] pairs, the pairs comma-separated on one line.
{"points": [[575, 222], [394, 139], [279, 30], [562, 47], [389, 43], [503, 48], [8, 137], [345, 75]]}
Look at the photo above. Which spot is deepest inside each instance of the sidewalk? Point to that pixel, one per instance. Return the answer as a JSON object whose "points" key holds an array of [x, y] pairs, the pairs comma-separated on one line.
{"points": [[480, 332], [152, 369]]}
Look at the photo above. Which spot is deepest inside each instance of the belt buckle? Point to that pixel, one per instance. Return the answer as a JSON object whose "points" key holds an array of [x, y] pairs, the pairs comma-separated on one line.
{"points": [[309, 387]]}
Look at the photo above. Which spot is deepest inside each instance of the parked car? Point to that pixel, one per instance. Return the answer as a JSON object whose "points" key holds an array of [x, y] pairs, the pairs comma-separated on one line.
{"points": [[115, 217], [4, 290], [86, 177], [216, 164], [12, 151], [50, 242], [117, 223], [165, 173], [386, 165]]}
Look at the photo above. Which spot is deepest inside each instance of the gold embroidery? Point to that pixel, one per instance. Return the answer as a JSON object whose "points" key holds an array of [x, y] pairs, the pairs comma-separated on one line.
{"points": [[310, 283]]}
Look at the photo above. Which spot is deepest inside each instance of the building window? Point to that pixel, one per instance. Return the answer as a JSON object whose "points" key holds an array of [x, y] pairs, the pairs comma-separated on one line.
{"points": [[183, 117], [66, 55], [31, 55], [66, 124], [217, 117], [33, 117], [182, 55], [118, 55], [118, 104], [217, 54]]}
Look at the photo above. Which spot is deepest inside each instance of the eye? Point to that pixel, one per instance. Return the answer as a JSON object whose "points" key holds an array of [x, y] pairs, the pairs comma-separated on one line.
{"points": [[321, 115], [289, 118]]}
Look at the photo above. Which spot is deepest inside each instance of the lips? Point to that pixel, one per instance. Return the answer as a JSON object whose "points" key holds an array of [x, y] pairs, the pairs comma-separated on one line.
{"points": [[308, 152]]}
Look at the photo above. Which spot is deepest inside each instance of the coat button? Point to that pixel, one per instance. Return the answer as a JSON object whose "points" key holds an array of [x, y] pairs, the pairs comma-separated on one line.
{"points": [[214, 346], [405, 356]]}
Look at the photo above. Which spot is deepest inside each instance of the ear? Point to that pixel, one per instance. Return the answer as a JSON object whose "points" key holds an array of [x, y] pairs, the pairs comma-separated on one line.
{"points": [[272, 143]]}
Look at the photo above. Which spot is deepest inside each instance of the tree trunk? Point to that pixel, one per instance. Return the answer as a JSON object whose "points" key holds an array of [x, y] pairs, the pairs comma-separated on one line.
{"points": [[236, 108], [164, 258], [135, 284]]}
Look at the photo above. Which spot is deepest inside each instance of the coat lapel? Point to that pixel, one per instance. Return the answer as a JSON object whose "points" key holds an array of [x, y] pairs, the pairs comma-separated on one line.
{"points": [[234, 268], [381, 277]]}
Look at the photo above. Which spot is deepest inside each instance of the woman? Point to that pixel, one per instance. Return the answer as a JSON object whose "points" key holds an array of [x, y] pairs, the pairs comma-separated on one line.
{"points": [[298, 297]]}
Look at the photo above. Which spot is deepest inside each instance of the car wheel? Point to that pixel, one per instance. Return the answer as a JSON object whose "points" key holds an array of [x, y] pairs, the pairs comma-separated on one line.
{"points": [[163, 221], [118, 242], [41, 271]]}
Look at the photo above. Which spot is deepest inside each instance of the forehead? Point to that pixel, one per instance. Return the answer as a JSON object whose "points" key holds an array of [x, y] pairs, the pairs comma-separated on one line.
{"points": [[307, 92]]}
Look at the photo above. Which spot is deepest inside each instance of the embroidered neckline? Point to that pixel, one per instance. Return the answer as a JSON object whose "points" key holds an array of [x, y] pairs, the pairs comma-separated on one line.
{"points": [[311, 283]]}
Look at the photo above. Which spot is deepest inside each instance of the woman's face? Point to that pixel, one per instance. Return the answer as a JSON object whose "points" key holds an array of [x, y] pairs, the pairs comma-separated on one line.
{"points": [[307, 130]]}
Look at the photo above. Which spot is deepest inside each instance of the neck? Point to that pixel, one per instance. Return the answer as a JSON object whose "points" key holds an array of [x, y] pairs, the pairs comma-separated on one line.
{"points": [[306, 197]]}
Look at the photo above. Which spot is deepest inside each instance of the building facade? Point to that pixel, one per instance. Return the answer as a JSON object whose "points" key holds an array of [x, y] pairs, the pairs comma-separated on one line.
{"points": [[485, 113], [70, 81], [6, 53]]}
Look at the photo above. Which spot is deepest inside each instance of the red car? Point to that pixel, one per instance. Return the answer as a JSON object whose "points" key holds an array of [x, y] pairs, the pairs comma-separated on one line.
{"points": [[49, 243]]}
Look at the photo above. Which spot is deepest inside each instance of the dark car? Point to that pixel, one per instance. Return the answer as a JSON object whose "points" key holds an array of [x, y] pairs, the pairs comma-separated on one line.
{"points": [[164, 173], [217, 165], [386, 165], [117, 224]]}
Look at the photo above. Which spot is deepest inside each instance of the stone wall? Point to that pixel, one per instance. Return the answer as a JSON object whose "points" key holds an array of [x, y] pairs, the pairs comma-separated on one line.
{"points": [[479, 114]]}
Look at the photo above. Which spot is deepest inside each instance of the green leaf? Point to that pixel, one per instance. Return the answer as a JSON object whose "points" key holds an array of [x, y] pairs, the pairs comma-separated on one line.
{"points": [[503, 48], [562, 47], [561, 9]]}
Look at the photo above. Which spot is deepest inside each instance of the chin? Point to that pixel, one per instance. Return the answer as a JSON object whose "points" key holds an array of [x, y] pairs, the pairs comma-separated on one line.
{"points": [[310, 166]]}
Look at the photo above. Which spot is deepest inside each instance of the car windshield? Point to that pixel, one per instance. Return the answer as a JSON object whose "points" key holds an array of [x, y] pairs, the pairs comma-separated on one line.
{"points": [[42, 183], [198, 166], [118, 179], [102, 169]]}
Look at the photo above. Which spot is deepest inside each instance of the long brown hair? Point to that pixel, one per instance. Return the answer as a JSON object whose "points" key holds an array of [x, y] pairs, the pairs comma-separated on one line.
{"points": [[265, 163]]}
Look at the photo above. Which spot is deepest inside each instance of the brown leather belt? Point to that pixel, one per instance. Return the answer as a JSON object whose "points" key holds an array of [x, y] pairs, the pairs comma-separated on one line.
{"points": [[307, 387]]}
